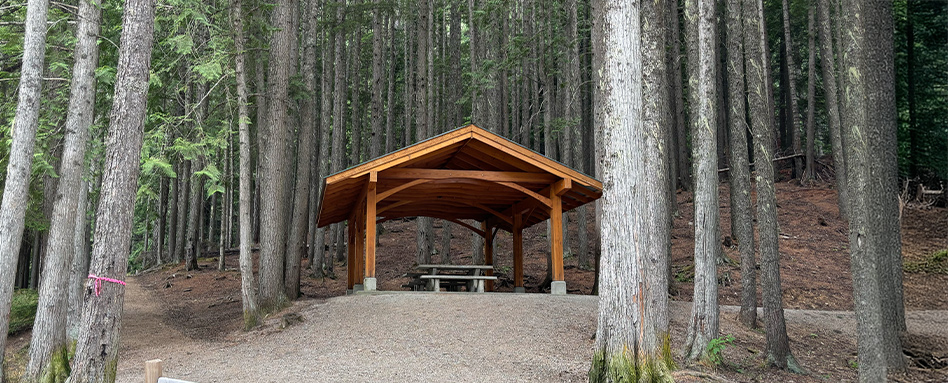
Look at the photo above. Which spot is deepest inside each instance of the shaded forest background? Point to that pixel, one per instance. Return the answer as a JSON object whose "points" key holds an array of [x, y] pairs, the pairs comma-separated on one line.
{"points": [[377, 76]]}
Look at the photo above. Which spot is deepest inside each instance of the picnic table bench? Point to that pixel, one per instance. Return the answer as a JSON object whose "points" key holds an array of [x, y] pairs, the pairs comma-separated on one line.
{"points": [[452, 277]]}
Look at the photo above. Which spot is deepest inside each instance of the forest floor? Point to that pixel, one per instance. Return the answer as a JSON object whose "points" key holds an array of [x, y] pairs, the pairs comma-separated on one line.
{"points": [[192, 320]]}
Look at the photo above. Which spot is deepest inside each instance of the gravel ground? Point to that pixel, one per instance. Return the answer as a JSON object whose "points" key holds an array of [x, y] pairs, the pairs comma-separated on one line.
{"points": [[395, 337], [457, 337]]}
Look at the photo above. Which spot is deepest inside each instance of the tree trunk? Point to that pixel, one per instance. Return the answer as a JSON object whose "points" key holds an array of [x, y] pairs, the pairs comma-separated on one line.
{"points": [[422, 104], [79, 270], [49, 328], [794, 119], [195, 209], [809, 173], [184, 189], [827, 63], [629, 329], [97, 349], [870, 115], [299, 228], [778, 348], [274, 164], [20, 160], [742, 218], [172, 212], [162, 219], [704, 319], [248, 292], [339, 124], [318, 263]]}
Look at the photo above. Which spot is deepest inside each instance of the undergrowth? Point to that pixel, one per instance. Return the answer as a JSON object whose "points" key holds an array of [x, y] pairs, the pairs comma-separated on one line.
{"points": [[936, 263], [22, 310]]}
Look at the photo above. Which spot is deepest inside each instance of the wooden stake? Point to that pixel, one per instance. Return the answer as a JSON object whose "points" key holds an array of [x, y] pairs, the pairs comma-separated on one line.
{"points": [[152, 371]]}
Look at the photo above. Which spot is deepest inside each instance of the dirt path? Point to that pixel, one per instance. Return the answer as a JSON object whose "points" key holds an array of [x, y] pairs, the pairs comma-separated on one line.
{"points": [[405, 337], [144, 335]]}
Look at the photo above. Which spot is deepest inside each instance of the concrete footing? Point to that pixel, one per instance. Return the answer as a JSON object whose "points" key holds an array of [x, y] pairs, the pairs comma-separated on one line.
{"points": [[357, 287], [558, 288], [520, 290], [370, 285]]}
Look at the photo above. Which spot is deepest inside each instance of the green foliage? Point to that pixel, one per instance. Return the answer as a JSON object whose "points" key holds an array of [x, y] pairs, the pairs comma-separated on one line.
{"points": [[936, 263], [716, 349], [22, 310]]}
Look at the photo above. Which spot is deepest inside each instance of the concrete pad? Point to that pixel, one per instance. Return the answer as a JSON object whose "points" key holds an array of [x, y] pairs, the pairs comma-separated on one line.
{"points": [[558, 288]]}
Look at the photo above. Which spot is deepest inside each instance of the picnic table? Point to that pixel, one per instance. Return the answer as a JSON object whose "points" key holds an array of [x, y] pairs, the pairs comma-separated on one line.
{"points": [[452, 277]]}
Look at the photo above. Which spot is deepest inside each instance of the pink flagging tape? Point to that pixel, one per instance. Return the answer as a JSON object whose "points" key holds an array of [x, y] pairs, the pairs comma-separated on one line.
{"points": [[97, 282]]}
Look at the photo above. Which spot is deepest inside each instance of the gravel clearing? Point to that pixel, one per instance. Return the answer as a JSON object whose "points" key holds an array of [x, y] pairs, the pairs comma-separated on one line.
{"points": [[463, 337], [396, 337]]}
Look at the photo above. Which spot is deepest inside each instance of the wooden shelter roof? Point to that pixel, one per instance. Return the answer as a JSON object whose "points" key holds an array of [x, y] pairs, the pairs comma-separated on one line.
{"points": [[466, 173]]}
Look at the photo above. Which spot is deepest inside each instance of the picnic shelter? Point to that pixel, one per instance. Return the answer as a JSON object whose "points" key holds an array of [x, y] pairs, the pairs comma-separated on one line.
{"points": [[464, 174]]}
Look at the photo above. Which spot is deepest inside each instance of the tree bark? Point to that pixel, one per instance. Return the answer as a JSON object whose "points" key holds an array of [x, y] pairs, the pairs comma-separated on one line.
{"points": [[629, 328], [778, 348], [318, 263], [248, 292], [870, 118], [704, 319], [742, 218], [809, 173], [274, 169], [195, 210], [97, 349], [299, 228], [793, 75], [422, 104], [79, 270], [184, 175], [49, 328], [827, 64], [20, 162]]}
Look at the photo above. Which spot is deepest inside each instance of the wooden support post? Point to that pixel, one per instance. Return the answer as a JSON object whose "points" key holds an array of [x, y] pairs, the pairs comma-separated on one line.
{"points": [[350, 260], [488, 250], [556, 233], [370, 201], [152, 371], [359, 239], [518, 250]]}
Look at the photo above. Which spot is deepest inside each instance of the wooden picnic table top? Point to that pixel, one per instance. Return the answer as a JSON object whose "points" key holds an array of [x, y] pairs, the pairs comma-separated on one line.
{"points": [[457, 267]]}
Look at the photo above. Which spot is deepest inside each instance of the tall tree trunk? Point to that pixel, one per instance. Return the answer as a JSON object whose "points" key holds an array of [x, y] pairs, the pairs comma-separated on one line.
{"points": [[355, 79], [827, 64], [184, 189], [872, 160], [299, 228], [809, 173], [629, 330], [655, 124], [390, 111], [162, 220], [778, 348], [319, 262], [691, 48], [274, 169], [742, 218], [248, 291], [20, 161], [195, 210], [793, 75], [79, 270], [172, 213], [97, 349], [49, 328], [677, 107], [915, 150], [704, 323], [424, 224], [375, 146]]}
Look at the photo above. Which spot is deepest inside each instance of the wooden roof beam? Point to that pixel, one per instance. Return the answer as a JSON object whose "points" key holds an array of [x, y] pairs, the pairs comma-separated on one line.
{"points": [[490, 176]]}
